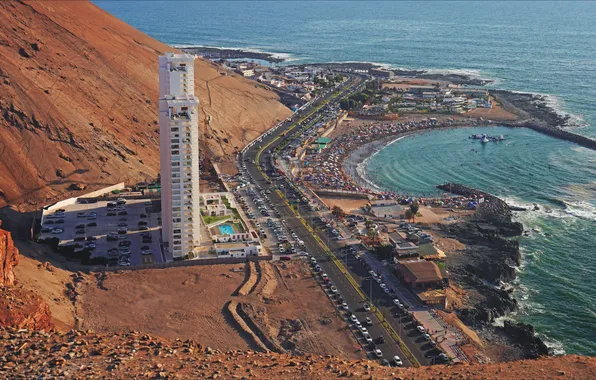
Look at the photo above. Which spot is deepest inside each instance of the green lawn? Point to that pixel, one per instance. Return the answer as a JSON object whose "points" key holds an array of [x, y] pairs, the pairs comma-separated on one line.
{"points": [[212, 219]]}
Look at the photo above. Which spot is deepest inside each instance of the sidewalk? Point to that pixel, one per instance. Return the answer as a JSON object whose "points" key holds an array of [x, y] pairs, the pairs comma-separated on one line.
{"points": [[446, 336]]}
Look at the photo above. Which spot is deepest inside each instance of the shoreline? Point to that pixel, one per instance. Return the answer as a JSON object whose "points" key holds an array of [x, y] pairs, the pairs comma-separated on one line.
{"points": [[354, 159], [488, 267]]}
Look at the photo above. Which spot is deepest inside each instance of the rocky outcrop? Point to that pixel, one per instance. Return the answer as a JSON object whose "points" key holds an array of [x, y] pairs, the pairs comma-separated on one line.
{"points": [[524, 335], [19, 307], [488, 263], [9, 257]]}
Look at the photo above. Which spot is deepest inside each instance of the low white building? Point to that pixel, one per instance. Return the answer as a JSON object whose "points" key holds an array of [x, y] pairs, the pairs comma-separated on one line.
{"points": [[239, 249]]}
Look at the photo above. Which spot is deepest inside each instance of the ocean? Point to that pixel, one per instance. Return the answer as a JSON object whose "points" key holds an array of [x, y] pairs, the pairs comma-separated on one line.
{"points": [[539, 47]]}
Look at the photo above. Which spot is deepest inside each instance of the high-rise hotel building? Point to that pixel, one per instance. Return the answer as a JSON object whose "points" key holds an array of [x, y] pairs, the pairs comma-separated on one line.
{"points": [[179, 154]]}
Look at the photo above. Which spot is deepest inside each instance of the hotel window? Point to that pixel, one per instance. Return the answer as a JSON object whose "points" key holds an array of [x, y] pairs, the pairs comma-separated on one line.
{"points": [[175, 129]]}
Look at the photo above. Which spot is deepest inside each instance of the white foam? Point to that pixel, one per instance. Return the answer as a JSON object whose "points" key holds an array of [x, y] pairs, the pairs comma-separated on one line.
{"points": [[558, 106], [287, 57], [474, 74]]}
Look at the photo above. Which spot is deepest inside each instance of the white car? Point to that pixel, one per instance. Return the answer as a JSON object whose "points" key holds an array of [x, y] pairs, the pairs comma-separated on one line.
{"points": [[366, 307], [383, 286], [378, 353], [334, 290], [426, 337], [364, 330], [344, 306], [353, 318], [420, 329], [396, 302], [397, 361], [358, 324]]}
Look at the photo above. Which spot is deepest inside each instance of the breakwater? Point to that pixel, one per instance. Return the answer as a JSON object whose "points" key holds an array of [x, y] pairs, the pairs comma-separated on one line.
{"points": [[560, 133], [535, 113]]}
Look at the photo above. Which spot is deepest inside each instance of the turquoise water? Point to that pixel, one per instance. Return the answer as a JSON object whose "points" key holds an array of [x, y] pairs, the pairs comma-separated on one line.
{"points": [[540, 47], [226, 229], [556, 279]]}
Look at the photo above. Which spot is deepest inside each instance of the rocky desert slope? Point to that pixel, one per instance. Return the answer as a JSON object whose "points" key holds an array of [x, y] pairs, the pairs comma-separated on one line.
{"points": [[31, 347], [84, 354], [78, 98]]}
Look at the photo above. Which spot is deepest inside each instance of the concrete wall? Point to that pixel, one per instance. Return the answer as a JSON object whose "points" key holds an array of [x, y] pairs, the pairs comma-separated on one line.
{"points": [[93, 194]]}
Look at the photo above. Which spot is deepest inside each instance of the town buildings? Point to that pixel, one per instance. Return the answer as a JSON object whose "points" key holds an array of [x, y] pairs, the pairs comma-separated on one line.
{"points": [[179, 155]]}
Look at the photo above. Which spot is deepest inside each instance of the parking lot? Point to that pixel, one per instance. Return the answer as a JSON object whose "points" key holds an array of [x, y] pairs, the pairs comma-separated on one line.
{"points": [[272, 229], [124, 232]]}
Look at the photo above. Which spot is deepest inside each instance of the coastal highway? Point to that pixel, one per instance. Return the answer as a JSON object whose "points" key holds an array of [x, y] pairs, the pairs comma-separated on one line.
{"points": [[351, 295]]}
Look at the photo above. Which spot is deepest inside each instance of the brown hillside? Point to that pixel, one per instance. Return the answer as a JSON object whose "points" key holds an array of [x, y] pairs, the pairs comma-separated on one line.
{"points": [[81, 354], [78, 93]]}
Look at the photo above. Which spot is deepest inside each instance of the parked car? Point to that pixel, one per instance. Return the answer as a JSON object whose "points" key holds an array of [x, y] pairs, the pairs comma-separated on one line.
{"points": [[92, 224], [397, 361], [378, 353]]}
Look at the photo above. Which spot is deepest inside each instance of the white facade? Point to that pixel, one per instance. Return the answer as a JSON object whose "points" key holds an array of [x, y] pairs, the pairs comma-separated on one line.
{"points": [[179, 154], [176, 74]]}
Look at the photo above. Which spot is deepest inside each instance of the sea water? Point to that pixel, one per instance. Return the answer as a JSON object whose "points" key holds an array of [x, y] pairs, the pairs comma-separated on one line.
{"points": [[539, 47], [556, 278]]}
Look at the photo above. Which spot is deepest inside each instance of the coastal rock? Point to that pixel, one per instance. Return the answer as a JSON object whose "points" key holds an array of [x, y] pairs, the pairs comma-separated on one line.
{"points": [[524, 335]]}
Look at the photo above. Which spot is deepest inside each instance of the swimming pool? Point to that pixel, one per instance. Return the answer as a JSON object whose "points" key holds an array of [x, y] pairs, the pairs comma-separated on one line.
{"points": [[226, 229]]}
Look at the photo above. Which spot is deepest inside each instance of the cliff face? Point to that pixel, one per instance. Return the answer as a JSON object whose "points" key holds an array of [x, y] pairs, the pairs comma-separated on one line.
{"points": [[19, 307], [9, 257], [78, 101]]}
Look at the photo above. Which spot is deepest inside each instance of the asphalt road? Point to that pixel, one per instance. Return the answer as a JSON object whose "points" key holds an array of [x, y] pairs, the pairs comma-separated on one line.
{"points": [[349, 294]]}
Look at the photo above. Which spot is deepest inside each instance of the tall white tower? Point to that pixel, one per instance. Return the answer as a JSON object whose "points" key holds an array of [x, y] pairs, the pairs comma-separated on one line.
{"points": [[179, 154]]}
